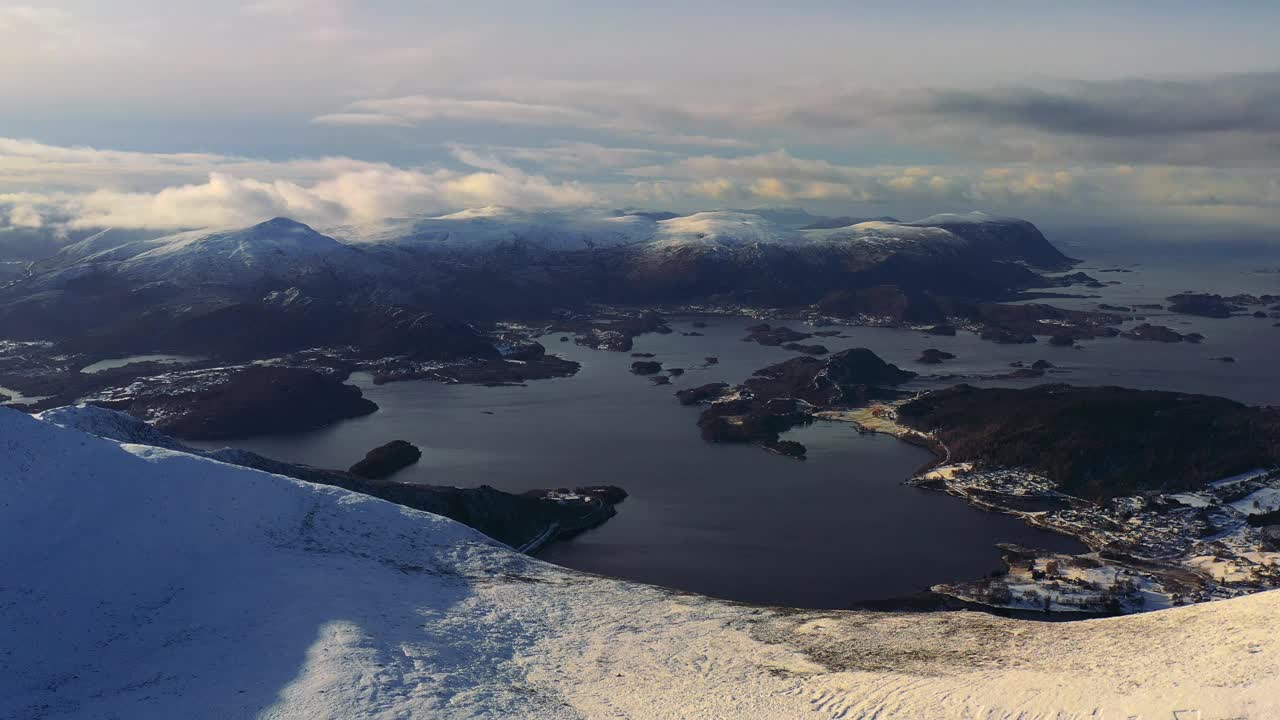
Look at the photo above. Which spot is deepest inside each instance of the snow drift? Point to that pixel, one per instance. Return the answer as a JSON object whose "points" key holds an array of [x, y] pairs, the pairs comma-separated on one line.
{"points": [[143, 582]]}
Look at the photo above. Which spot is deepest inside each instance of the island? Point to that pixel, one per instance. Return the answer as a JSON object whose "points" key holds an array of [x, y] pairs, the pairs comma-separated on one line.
{"points": [[934, 356], [770, 336], [788, 394], [1160, 333], [385, 460]]}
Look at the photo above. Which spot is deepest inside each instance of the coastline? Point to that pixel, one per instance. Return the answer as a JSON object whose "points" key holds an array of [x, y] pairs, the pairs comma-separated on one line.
{"points": [[1186, 567]]}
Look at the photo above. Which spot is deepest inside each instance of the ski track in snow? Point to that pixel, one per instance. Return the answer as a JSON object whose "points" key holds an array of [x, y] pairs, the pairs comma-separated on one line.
{"points": [[143, 582]]}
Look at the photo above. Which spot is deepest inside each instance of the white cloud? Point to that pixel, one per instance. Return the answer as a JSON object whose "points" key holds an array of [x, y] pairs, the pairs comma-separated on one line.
{"points": [[425, 108], [1230, 120], [317, 21], [84, 187], [574, 158], [33, 36], [47, 22], [88, 187], [361, 118], [778, 162], [26, 164], [629, 117], [663, 138], [781, 177], [285, 8], [359, 196], [25, 216]]}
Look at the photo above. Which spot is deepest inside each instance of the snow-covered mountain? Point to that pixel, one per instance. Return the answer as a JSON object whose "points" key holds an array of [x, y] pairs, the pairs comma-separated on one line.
{"points": [[488, 229], [101, 241], [999, 237], [975, 217], [143, 582], [721, 229], [282, 250], [217, 291], [492, 228], [279, 250], [728, 229]]}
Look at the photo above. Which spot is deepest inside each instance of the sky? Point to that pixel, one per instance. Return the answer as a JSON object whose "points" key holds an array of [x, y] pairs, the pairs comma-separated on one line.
{"points": [[172, 114]]}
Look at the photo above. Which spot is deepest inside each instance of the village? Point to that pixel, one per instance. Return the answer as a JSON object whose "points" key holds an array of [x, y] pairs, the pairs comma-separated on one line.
{"points": [[1146, 551]]}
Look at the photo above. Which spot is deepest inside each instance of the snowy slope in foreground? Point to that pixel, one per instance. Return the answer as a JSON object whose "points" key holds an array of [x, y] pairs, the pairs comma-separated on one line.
{"points": [[139, 582]]}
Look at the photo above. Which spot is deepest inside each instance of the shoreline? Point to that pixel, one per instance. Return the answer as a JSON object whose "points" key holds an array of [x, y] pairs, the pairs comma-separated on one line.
{"points": [[1103, 581]]}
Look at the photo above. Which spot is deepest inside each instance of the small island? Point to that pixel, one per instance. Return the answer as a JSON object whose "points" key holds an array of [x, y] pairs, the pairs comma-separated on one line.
{"points": [[788, 394], [934, 356], [386, 460]]}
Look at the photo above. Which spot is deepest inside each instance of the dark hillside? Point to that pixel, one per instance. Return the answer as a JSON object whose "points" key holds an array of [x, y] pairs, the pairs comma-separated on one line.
{"points": [[1100, 442]]}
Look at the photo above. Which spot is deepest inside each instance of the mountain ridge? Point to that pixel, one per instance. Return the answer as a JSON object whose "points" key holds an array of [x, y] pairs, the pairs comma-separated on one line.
{"points": [[492, 264]]}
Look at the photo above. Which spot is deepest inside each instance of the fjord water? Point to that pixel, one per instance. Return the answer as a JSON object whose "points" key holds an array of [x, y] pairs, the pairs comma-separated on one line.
{"points": [[730, 521], [740, 523]]}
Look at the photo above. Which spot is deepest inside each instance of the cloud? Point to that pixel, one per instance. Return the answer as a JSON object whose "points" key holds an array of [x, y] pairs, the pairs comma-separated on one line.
{"points": [[83, 187], [781, 177], [1228, 120], [47, 22], [1213, 121], [710, 141], [425, 108], [369, 195], [27, 164], [362, 118], [13, 149], [40, 35], [285, 8], [573, 158], [317, 21], [624, 117], [25, 216], [1127, 108], [777, 162], [89, 187]]}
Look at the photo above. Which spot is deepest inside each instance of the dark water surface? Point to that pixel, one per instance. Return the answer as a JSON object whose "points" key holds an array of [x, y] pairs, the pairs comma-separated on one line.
{"points": [[738, 522]]}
